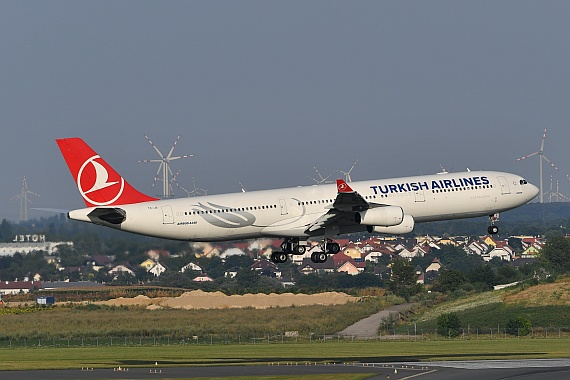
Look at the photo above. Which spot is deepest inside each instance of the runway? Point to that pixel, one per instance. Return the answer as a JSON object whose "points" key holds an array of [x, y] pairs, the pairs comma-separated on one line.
{"points": [[553, 369]]}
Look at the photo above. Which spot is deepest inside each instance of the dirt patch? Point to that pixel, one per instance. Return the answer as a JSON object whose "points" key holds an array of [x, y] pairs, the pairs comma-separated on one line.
{"points": [[557, 293], [199, 299]]}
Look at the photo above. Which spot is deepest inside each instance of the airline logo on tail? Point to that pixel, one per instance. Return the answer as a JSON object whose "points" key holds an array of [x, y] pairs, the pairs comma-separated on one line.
{"points": [[94, 184], [98, 183]]}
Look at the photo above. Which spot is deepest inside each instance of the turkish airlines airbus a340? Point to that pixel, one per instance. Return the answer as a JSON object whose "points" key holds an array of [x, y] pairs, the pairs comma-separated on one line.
{"points": [[384, 206]]}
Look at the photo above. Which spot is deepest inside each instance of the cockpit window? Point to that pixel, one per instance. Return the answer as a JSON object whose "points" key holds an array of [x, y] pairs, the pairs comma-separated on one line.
{"points": [[523, 182]]}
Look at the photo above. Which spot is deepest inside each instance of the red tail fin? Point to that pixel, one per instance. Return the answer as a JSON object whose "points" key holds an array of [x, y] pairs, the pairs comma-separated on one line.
{"points": [[342, 186], [98, 183]]}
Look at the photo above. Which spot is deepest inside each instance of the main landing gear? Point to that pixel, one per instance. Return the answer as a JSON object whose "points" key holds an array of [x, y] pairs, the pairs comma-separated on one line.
{"points": [[298, 247], [492, 229], [290, 246]]}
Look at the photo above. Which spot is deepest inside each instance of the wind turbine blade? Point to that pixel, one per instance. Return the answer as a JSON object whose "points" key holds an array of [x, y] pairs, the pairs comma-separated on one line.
{"points": [[542, 142], [154, 146], [550, 162], [173, 146], [525, 157], [178, 157]]}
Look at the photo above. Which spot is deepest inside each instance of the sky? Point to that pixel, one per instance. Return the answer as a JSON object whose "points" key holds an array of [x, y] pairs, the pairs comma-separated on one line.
{"points": [[261, 92]]}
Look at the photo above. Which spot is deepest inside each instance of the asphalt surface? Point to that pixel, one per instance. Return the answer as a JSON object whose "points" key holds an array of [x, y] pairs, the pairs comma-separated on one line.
{"points": [[368, 327], [553, 369]]}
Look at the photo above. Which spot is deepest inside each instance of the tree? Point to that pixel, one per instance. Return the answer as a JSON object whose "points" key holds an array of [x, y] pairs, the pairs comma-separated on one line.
{"points": [[556, 252], [519, 326], [5, 231], [448, 324], [482, 274], [449, 280], [403, 280]]}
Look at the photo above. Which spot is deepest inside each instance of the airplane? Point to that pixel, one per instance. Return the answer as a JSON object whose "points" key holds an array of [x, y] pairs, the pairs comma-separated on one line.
{"points": [[382, 206]]}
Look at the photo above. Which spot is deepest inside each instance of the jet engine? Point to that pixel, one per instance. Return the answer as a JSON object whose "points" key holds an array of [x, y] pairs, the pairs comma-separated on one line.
{"points": [[405, 227], [380, 216]]}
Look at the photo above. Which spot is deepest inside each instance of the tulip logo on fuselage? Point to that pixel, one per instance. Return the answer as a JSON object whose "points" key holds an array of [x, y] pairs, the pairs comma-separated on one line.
{"points": [[95, 185]]}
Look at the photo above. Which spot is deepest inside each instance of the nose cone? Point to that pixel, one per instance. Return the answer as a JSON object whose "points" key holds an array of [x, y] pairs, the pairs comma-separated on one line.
{"points": [[532, 191]]}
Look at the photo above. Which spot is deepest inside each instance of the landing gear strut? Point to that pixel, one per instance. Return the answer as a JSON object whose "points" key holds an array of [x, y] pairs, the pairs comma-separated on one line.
{"points": [[492, 229], [290, 246]]}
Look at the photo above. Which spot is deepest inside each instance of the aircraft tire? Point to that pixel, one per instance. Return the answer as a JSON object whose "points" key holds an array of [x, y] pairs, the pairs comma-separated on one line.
{"points": [[333, 248]]}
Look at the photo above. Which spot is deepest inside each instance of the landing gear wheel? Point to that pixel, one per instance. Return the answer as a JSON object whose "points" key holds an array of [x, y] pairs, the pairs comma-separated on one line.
{"points": [[318, 257], [300, 249], [279, 257], [333, 248], [493, 230]]}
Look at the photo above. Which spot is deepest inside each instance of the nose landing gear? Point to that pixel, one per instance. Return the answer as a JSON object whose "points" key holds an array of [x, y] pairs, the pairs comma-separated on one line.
{"points": [[492, 229]]}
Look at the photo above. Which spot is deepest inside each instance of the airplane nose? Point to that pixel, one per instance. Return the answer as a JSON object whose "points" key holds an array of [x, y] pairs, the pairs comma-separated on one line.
{"points": [[533, 190]]}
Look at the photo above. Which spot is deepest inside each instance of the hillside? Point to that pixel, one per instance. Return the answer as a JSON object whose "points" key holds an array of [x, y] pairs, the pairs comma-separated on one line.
{"points": [[546, 305], [557, 293]]}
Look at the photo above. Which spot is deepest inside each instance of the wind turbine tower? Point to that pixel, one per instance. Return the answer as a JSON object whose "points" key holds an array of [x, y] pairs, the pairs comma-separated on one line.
{"points": [[24, 201], [541, 157], [164, 167], [347, 174]]}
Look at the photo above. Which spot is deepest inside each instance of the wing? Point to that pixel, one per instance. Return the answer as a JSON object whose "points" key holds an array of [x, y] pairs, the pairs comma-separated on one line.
{"points": [[341, 216]]}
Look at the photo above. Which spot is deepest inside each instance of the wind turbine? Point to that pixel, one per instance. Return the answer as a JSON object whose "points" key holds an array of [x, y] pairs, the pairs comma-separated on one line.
{"points": [[347, 174], [321, 179], [195, 192], [164, 166], [541, 157], [24, 201]]}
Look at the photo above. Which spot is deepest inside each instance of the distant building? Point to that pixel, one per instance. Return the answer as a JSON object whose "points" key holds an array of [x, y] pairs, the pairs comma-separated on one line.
{"points": [[25, 244], [17, 287]]}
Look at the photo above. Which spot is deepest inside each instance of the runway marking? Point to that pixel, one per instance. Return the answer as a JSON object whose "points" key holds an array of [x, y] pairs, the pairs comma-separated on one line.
{"points": [[419, 374]]}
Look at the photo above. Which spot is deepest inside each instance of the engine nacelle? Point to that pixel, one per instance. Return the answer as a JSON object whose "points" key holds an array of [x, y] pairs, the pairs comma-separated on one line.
{"points": [[380, 216], [405, 227]]}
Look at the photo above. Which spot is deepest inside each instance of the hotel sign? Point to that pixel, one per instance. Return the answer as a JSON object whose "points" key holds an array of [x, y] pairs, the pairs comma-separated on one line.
{"points": [[29, 239]]}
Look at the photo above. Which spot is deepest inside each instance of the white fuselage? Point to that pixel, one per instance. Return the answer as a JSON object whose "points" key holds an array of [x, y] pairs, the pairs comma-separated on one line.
{"points": [[288, 212]]}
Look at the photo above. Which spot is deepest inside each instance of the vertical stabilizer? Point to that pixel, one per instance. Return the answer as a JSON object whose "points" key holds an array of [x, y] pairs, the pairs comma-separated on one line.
{"points": [[98, 183]]}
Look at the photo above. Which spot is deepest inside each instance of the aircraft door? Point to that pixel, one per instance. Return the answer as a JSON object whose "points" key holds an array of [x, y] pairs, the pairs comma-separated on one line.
{"points": [[504, 185], [283, 206], [420, 196], [167, 216]]}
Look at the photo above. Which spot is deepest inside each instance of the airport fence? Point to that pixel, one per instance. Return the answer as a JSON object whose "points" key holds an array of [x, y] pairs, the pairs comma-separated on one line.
{"points": [[286, 337]]}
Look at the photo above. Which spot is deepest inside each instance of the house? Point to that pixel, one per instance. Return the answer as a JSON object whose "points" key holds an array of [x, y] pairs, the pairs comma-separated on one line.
{"points": [[532, 251], [231, 273], [348, 267], [117, 270], [353, 251], [191, 266], [434, 266], [203, 278], [17, 287], [98, 262], [262, 264], [157, 270], [353, 267], [503, 253], [477, 247], [309, 267], [148, 264], [405, 253]]}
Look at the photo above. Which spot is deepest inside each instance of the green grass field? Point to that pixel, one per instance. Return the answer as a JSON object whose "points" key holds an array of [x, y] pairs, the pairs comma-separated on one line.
{"points": [[264, 354]]}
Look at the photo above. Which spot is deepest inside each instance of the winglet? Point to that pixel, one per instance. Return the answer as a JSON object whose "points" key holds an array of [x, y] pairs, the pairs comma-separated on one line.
{"points": [[98, 183], [342, 186]]}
